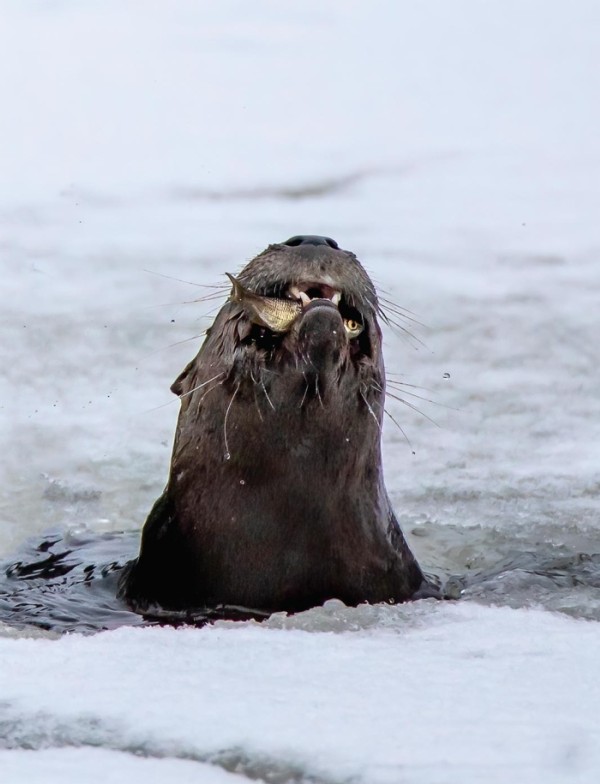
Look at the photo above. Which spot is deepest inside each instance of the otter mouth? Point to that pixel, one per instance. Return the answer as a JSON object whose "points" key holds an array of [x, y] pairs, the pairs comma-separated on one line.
{"points": [[279, 313], [308, 292], [272, 318]]}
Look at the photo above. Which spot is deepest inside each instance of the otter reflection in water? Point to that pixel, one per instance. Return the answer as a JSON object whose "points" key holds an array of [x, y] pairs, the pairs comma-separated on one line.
{"points": [[275, 499]]}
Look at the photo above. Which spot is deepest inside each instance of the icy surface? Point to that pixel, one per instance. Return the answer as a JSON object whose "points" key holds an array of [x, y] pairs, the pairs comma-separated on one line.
{"points": [[101, 766], [455, 148], [440, 694]]}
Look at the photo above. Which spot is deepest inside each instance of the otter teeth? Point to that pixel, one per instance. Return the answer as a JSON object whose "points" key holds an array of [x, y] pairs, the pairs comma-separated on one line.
{"points": [[298, 294]]}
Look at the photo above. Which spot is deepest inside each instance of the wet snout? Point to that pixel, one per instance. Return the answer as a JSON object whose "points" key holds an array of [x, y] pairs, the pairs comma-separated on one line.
{"points": [[321, 336]]}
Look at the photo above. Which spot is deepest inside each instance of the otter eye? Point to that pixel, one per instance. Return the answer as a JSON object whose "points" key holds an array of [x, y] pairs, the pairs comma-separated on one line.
{"points": [[353, 327]]}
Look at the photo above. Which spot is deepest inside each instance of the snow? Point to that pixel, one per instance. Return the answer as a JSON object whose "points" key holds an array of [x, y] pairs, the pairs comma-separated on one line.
{"points": [[454, 148], [446, 693], [101, 766]]}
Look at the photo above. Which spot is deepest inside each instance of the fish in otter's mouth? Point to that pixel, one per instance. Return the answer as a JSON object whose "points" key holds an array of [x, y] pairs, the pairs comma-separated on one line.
{"points": [[276, 499]]}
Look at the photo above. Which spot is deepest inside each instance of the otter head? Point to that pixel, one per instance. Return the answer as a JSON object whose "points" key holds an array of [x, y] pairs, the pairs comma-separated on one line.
{"points": [[308, 308], [290, 379]]}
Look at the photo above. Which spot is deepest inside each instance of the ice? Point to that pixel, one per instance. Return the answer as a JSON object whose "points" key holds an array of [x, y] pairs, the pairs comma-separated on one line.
{"points": [[447, 693], [101, 766], [455, 148]]}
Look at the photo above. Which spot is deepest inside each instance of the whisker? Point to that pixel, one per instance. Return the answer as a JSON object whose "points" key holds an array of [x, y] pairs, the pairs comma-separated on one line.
{"points": [[368, 405], [401, 429], [223, 286], [305, 390], [254, 381], [391, 303], [405, 383], [397, 326], [213, 297], [172, 345], [185, 394], [160, 305], [378, 386], [209, 313], [371, 303], [399, 386], [208, 391], [203, 384], [387, 309], [393, 373], [389, 373], [396, 385], [414, 408], [227, 452], [414, 394], [318, 392], [264, 389], [207, 298], [390, 316]]}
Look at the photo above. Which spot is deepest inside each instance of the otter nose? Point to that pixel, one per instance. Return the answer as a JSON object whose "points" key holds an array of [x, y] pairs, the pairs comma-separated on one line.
{"points": [[310, 239]]}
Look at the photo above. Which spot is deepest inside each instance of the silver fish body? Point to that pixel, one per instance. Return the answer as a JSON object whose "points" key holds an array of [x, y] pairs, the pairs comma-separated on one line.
{"points": [[276, 314]]}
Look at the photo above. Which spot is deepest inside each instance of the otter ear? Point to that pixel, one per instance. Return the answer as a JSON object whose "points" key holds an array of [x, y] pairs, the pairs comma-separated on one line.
{"points": [[181, 385]]}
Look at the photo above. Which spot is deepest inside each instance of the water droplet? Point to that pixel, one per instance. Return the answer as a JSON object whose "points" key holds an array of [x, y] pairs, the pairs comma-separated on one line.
{"points": [[446, 375], [242, 481], [227, 456]]}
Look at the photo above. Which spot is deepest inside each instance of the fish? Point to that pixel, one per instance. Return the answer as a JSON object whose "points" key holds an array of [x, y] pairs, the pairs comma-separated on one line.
{"points": [[275, 314]]}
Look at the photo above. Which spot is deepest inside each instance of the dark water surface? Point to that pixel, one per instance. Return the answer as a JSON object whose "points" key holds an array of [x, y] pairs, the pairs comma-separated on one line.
{"points": [[68, 582]]}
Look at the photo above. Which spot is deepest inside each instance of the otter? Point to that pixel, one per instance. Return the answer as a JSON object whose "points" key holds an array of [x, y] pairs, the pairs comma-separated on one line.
{"points": [[275, 499]]}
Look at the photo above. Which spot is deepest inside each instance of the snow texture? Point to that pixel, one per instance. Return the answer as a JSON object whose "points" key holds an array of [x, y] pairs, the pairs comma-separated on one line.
{"points": [[455, 693]]}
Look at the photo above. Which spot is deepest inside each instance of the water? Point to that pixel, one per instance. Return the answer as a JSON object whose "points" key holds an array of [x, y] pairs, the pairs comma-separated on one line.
{"points": [[68, 582]]}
